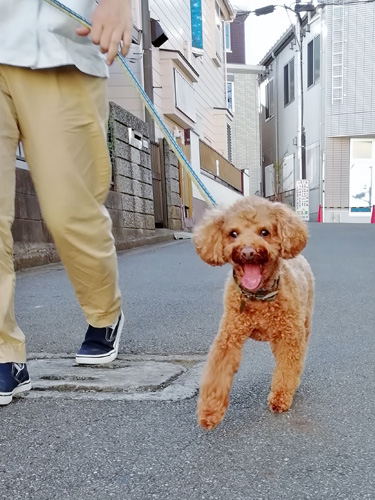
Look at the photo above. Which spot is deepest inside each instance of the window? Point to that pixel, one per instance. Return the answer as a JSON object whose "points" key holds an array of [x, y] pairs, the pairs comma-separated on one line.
{"points": [[269, 100], [184, 95], [196, 25], [362, 176], [289, 82], [230, 96], [288, 173], [313, 61], [219, 34], [229, 142], [313, 165], [20, 158], [269, 177], [228, 45]]}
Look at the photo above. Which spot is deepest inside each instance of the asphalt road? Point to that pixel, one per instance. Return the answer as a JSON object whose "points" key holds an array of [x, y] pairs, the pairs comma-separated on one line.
{"points": [[324, 448]]}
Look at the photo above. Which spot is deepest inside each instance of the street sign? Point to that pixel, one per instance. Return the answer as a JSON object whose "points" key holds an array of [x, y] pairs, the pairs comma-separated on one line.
{"points": [[302, 199]]}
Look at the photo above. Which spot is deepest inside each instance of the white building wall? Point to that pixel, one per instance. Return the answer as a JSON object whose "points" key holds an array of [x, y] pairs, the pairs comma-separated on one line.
{"points": [[285, 122], [246, 133], [221, 194]]}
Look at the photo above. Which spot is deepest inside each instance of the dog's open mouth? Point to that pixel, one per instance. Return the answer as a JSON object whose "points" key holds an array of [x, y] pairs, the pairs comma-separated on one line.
{"points": [[252, 276]]}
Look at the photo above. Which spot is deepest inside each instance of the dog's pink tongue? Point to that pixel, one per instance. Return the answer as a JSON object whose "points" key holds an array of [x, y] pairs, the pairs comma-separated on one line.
{"points": [[252, 277]]}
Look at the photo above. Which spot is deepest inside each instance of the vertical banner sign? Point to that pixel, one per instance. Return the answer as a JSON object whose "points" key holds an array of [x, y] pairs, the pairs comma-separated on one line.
{"points": [[302, 199]]}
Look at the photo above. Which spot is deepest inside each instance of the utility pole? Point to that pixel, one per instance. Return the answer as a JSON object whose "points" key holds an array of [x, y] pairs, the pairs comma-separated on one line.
{"points": [[147, 63], [301, 125]]}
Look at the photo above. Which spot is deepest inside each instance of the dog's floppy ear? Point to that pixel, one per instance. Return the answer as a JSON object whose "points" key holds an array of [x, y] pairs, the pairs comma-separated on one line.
{"points": [[208, 238], [292, 231]]}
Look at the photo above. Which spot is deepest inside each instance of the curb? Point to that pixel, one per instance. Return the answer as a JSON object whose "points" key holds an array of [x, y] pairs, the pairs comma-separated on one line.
{"points": [[25, 258]]}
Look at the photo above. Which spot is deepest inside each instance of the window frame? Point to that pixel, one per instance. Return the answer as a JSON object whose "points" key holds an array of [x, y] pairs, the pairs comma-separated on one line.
{"points": [[289, 83], [227, 37], [230, 84], [184, 95], [270, 103], [196, 21], [313, 165], [313, 64], [358, 162]]}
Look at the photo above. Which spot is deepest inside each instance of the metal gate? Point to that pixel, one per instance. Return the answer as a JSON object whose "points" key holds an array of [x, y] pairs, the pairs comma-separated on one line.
{"points": [[158, 184]]}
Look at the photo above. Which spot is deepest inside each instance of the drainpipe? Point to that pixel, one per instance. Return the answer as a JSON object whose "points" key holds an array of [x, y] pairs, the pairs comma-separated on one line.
{"points": [[276, 104], [323, 89], [147, 63]]}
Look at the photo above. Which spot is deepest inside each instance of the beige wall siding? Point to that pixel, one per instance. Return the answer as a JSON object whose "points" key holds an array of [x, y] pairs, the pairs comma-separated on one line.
{"points": [[120, 89], [337, 172], [122, 92], [174, 16]]}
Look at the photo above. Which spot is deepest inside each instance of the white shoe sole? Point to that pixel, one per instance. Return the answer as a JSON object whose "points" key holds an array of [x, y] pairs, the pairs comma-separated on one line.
{"points": [[6, 397], [103, 358]]}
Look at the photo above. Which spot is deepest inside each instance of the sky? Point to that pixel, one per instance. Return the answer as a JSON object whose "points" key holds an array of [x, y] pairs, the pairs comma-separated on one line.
{"points": [[262, 31]]}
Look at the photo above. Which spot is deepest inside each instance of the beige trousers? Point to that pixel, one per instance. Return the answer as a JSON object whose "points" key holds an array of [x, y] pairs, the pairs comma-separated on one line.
{"points": [[60, 115]]}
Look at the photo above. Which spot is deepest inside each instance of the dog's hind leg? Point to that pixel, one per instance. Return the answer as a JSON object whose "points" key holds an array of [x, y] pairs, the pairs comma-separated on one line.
{"points": [[221, 366], [310, 307], [289, 353], [308, 326]]}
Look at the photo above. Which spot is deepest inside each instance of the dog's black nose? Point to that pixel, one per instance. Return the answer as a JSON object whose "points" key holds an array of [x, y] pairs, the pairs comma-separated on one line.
{"points": [[248, 253]]}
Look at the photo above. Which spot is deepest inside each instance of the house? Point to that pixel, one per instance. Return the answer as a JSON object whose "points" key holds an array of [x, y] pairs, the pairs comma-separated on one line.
{"points": [[178, 56], [181, 63], [336, 109], [243, 102]]}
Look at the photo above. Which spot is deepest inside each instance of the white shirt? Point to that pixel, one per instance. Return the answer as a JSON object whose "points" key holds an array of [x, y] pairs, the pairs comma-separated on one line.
{"points": [[34, 34]]}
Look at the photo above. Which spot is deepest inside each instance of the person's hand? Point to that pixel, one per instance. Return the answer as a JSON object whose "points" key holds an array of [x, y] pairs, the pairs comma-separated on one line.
{"points": [[111, 24]]}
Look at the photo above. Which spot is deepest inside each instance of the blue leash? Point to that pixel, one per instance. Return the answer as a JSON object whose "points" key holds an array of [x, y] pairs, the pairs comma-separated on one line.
{"points": [[150, 107]]}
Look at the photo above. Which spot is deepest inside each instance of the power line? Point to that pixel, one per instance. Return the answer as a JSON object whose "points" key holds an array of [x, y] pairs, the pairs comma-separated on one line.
{"points": [[321, 3]]}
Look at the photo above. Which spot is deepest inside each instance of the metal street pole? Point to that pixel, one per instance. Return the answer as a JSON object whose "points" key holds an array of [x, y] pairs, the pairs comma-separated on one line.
{"points": [[301, 125], [147, 63]]}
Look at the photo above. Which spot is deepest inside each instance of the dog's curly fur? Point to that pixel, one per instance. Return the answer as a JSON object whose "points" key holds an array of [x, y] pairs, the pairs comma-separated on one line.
{"points": [[269, 235]]}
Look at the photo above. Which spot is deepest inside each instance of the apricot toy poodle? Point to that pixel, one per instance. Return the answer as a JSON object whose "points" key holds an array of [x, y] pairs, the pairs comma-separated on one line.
{"points": [[269, 297]]}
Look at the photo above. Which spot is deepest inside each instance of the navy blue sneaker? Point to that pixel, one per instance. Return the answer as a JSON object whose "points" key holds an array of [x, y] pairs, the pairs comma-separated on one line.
{"points": [[14, 379], [101, 344]]}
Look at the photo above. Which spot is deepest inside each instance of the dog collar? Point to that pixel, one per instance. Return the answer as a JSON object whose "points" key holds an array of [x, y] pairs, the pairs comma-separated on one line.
{"points": [[259, 295]]}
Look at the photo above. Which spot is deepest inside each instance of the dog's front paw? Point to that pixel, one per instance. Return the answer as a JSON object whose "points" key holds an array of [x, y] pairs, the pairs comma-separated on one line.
{"points": [[279, 401], [211, 412]]}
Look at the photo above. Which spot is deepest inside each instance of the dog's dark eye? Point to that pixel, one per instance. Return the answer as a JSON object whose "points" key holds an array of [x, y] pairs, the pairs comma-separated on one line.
{"points": [[233, 234], [264, 232]]}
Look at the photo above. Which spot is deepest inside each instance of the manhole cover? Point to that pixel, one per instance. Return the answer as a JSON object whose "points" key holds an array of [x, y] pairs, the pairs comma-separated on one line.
{"points": [[131, 379]]}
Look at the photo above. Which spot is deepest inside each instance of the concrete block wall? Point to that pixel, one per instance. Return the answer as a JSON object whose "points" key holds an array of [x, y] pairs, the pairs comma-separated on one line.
{"points": [[131, 203], [172, 181], [33, 244]]}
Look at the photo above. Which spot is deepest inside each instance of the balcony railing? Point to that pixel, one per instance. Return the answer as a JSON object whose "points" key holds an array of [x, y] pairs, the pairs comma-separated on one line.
{"points": [[212, 162]]}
